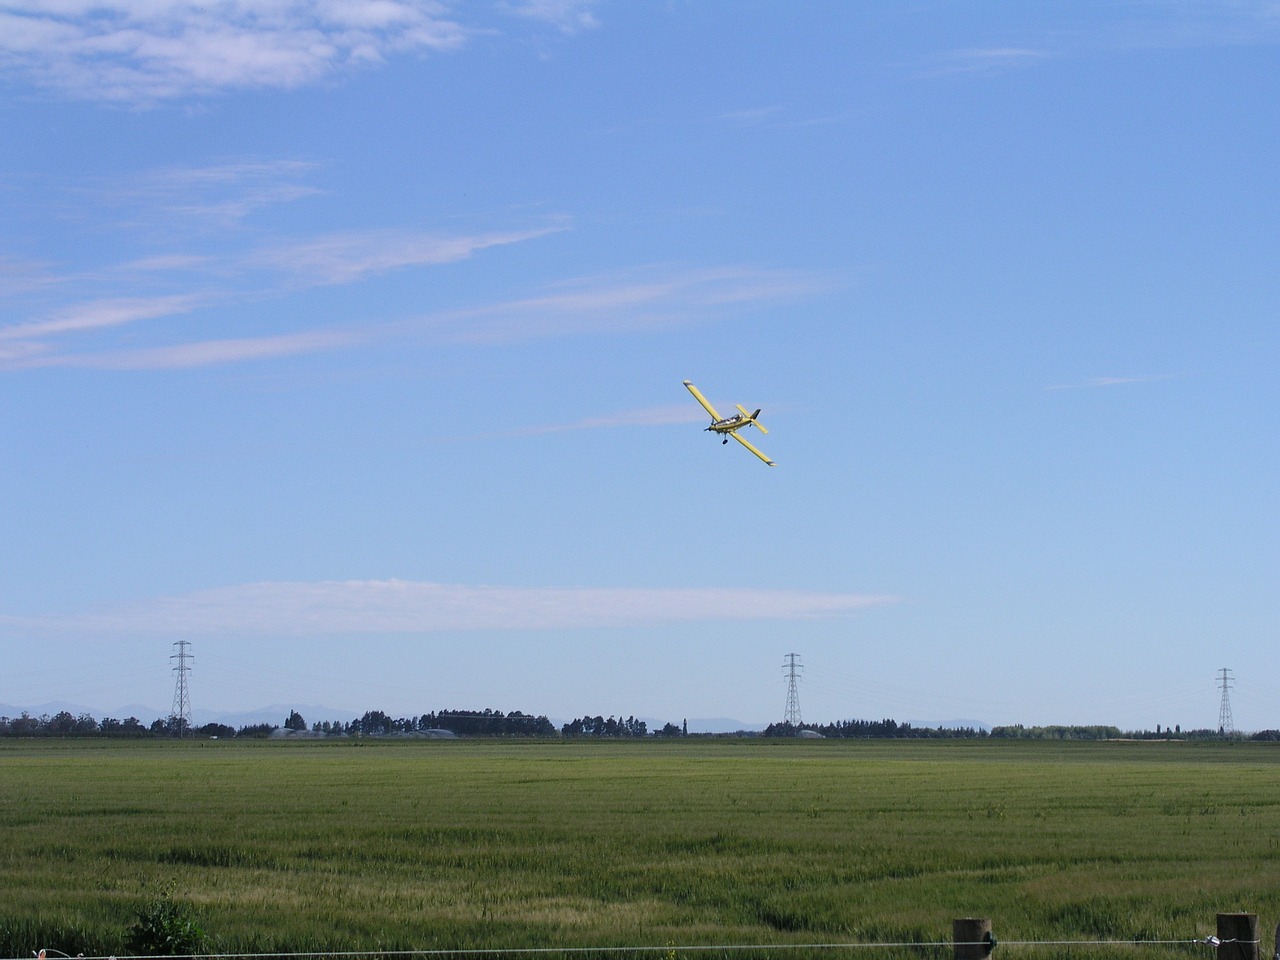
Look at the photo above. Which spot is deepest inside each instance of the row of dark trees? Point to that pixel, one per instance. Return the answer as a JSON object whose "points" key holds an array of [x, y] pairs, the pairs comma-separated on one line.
{"points": [[464, 723], [871, 730], [469, 723], [494, 723], [66, 724], [891, 729], [600, 727], [1102, 732]]}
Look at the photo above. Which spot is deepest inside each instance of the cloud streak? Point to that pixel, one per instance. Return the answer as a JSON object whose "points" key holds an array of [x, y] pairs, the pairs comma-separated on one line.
{"points": [[329, 608], [635, 301], [204, 353], [98, 314], [645, 417], [1106, 382], [330, 259], [1202, 24], [640, 300], [351, 256], [131, 53], [988, 60], [567, 16]]}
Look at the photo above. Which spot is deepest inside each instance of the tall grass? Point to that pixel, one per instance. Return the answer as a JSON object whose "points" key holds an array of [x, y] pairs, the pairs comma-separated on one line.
{"points": [[367, 845]]}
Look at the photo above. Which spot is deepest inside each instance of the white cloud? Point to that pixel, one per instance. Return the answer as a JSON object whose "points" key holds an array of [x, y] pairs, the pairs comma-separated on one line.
{"points": [[595, 305], [148, 50], [640, 300], [350, 256], [27, 344], [164, 263], [645, 417], [202, 353], [1204, 23], [775, 118], [22, 276], [568, 16], [178, 205], [989, 59], [330, 608], [178, 199], [100, 313], [1137, 26], [1106, 382]]}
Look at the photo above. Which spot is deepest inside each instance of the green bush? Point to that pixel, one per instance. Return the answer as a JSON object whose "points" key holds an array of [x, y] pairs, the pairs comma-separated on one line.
{"points": [[165, 929]]}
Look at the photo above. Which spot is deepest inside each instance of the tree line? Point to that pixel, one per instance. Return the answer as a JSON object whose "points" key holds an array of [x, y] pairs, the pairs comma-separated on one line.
{"points": [[871, 730], [892, 730], [66, 724], [600, 727], [495, 723], [463, 723], [473, 723]]}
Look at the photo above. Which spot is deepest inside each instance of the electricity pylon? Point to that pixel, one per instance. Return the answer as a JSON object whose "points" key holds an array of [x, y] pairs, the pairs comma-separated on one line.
{"points": [[793, 668], [180, 718], [1225, 724]]}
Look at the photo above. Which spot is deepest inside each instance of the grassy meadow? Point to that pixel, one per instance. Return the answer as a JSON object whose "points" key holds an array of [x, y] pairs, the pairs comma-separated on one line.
{"points": [[404, 845]]}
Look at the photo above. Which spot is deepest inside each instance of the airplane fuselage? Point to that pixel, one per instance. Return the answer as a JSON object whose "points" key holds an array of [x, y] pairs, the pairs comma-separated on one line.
{"points": [[729, 424]]}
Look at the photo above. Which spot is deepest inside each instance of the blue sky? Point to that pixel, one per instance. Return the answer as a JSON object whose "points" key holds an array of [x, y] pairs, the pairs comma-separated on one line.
{"points": [[345, 341]]}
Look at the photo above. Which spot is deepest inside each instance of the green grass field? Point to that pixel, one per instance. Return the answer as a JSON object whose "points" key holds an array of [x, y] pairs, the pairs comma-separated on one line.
{"points": [[394, 845]]}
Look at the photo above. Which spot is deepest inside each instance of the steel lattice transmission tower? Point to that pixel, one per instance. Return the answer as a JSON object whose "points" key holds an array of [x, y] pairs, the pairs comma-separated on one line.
{"points": [[1225, 724], [793, 668], [180, 718]]}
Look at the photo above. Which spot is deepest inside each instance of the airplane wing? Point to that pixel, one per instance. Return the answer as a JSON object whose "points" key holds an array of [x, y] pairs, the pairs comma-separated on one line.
{"points": [[751, 447], [697, 395]]}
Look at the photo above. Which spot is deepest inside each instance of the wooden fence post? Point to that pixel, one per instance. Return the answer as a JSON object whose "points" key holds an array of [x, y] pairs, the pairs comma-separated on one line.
{"points": [[1238, 936], [971, 938]]}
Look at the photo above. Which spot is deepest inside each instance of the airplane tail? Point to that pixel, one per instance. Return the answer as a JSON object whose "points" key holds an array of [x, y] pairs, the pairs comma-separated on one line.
{"points": [[751, 417]]}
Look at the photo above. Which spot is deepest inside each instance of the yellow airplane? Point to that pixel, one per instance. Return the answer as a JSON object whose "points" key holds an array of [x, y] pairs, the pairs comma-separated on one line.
{"points": [[730, 425]]}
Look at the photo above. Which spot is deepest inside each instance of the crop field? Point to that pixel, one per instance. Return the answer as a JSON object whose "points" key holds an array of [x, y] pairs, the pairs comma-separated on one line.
{"points": [[375, 845]]}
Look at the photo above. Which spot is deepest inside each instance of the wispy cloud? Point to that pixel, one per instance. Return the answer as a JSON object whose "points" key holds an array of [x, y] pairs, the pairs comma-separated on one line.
{"points": [[589, 306], [202, 353], [753, 116], [218, 196], [1135, 26], [567, 16], [24, 276], [775, 118], [165, 263], [988, 60], [130, 52], [228, 264], [350, 256], [330, 608], [645, 417], [33, 344], [60, 336], [1107, 382], [100, 313], [639, 300], [1201, 23]]}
